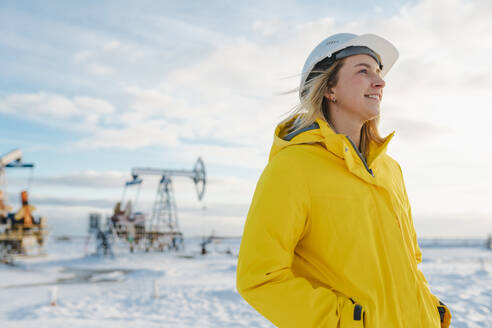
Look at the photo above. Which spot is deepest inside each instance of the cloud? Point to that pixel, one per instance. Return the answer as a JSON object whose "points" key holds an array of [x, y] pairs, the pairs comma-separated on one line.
{"points": [[111, 46], [79, 112], [455, 225], [105, 59], [214, 99], [103, 188], [39, 105], [70, 215], [436, 76], [416, 129], [133, 136], [99, 69], [100, 204], [107, 205], [83, 56], [95, 106], [220, 95], [106, 179], [269, 28]]}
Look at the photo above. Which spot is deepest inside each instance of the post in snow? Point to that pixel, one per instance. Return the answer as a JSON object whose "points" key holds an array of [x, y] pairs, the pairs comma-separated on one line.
{"points": [[53, 295], [155, 293]]}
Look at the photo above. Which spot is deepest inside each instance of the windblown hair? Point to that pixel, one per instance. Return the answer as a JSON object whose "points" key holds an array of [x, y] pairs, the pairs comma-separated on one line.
{"points": [[314, 105]]}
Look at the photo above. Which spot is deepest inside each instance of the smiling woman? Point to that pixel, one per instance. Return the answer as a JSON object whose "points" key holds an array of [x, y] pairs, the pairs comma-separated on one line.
{"points": [[329, 240]]}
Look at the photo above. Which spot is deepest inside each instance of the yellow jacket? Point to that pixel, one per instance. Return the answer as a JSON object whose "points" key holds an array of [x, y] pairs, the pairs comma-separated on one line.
{"points": [[329, 242]]}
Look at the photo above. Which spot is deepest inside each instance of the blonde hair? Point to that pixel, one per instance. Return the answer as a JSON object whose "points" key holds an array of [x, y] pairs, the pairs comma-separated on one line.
{"points": [[314, 105]]}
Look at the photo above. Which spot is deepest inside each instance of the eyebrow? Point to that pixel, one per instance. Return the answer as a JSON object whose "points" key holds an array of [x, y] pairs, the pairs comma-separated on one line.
{"points": [[368, 66]]}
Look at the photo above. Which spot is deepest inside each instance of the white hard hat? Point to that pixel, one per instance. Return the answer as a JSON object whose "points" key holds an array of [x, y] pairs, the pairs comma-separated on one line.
{"points": [[332, 46]]}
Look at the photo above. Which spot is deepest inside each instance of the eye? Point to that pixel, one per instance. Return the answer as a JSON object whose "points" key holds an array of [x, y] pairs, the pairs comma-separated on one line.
{"points": [[363, 71]]}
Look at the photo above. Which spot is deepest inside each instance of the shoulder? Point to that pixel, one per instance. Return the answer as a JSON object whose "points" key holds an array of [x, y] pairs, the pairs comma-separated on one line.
{"points": [[283, 180], [299, 160], [291, 160], [395, 175], [391, 169], [391, 164], [296, 163]]}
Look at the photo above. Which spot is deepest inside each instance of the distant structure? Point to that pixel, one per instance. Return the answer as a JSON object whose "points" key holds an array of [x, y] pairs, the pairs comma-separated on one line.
{"points": [[103, 236], [161, 230], [21, 232], [164, 217], [205, 242], [488, 244]]}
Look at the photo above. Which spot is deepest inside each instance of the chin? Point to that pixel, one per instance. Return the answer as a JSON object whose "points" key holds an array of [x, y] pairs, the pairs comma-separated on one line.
{"points": [[371, 114]]}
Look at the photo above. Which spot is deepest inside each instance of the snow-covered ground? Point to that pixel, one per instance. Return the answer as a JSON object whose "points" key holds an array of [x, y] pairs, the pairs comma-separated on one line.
{"points": [[190, 290]]}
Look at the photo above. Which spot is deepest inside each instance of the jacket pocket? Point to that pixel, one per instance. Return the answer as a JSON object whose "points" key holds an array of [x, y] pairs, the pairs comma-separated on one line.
{"points": [[352, 315]]}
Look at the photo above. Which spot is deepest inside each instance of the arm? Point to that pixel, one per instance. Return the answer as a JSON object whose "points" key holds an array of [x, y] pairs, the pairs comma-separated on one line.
{"points": [[277, 220], [416, 248], [442, 308]]}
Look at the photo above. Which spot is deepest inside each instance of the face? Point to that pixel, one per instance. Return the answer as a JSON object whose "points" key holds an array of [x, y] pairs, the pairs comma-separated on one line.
{"points": [[359, 89]]}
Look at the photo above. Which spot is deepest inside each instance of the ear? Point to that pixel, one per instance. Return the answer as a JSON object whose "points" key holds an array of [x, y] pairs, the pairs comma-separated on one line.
{"points": [[329, 94]]}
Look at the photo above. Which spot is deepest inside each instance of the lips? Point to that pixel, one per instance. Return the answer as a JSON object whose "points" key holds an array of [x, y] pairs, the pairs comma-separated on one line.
{"points": [[374, 96]]}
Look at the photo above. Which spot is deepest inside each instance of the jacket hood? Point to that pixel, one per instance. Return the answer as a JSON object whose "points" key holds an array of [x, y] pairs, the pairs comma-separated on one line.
{"points": [[320, 132]]}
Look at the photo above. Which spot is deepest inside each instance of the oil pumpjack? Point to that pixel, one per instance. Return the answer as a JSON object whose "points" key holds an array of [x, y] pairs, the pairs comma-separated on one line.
{"points": [[21, 232], [161, 230]]}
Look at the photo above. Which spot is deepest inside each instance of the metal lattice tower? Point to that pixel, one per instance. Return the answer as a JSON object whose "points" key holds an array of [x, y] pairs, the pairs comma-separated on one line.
{"points": [[164, 217], [164, 213]]}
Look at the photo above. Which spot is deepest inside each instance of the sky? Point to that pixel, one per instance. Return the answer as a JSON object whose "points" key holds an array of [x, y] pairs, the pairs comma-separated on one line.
{"points": [[90, 89]]}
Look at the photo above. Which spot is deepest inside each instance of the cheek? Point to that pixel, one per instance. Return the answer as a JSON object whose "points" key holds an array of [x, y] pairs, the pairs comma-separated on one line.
{"points": [[359, 83], [353, 93], [348, 90], [352, 90]]}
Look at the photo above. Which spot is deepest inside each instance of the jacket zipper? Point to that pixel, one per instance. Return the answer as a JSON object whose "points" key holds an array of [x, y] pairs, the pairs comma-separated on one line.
{"points": [[361, 157]]}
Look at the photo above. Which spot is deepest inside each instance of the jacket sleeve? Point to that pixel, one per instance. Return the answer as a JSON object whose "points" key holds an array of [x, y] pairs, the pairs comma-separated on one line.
{"points": [[276, 221], [444, 312], [417, 250]]}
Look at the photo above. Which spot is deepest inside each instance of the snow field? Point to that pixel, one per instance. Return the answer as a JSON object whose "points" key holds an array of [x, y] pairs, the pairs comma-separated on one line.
{"points": [[193, 290]]}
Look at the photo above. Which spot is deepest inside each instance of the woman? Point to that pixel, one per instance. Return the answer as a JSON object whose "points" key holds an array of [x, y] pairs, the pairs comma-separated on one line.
{"points": [[329, 239]]}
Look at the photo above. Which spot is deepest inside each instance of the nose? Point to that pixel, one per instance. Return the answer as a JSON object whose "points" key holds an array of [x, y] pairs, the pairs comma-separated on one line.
{"points": [[378, 82]]}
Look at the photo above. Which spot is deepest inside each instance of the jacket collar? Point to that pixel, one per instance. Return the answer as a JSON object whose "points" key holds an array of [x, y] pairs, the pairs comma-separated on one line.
{"points": [[339, 145], [320, 132]]}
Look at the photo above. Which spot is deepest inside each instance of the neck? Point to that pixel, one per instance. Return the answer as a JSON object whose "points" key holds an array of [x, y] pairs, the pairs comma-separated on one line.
{"points": [[347, 126]]}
